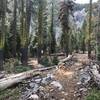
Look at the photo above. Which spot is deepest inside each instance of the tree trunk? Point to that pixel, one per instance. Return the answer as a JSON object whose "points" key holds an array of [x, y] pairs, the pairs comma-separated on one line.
{"points": [[14, 30], [24, 55], [66, 59], [90, 30], [14, 79], [39, 54], [98, 38], [1, 59]]}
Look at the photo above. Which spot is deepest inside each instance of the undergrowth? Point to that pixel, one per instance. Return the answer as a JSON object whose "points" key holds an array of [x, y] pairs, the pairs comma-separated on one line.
{"points": [[10, 94], [94, 94]]}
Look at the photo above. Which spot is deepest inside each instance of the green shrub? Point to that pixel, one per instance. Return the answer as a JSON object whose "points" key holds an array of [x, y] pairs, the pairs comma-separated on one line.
{"points": [[45, 61], [13, 66], [19, 69], [10, 94], [55, 60], [94, 95]]}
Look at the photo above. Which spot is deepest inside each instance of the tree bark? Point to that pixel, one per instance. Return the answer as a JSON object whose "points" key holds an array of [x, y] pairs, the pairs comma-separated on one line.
{"points": [[90, 30], [14, 30], [39, 54], [98, 37], [1, 59], [24, 56]]}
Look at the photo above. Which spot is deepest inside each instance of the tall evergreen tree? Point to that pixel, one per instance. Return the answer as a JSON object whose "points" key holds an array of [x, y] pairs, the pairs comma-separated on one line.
{"points": [[98, 37], [42, 27], [90, 30], [24, 29], [66, 8], [13, 30], [52, 33], [2, 30]]}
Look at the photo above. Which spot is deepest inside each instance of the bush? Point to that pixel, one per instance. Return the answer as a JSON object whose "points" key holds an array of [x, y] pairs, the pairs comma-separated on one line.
{"points": [[94, 95], [14, 66], [19, 69], [10, 94], [45, 61]]}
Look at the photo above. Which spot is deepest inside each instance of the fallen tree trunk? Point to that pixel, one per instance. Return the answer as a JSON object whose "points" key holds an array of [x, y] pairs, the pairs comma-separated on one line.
{"points": [[95, 74], [66, 59], [16, 78], [57, 54], [1, 76]]}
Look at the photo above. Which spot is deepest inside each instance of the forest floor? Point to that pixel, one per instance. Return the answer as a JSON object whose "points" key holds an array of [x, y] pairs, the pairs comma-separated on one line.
{"points": [[69, 77], [66, 79], [62, 83]]}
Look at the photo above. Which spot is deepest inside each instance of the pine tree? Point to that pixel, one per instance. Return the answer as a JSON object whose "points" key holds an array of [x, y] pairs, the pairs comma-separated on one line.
{"points": [[24, 29], [66, 8], [13, 30], [42, 28], [90, 30], [98, 37], [52, 33], [2, 30]]}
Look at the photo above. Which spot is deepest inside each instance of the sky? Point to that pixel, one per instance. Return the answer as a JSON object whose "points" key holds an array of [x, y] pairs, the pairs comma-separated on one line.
{"points": [[84, 1]]}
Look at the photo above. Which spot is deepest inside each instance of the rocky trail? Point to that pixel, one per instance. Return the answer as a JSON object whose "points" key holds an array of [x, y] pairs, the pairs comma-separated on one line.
{"points": [[63, 83]]}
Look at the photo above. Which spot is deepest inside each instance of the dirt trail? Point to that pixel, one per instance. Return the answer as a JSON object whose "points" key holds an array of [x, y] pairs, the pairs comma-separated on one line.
{"points": [[68, 76]]}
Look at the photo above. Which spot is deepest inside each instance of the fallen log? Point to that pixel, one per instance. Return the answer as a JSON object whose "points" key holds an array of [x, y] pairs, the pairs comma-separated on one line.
{"points": [[95, 74], [2, 76], [17, 78], [57, 54], [66, 59]]}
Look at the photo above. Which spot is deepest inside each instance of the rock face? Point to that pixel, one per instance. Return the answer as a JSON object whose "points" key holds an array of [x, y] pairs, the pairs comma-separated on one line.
{"points": [[95, 74], [85, 76], [80, 17]]}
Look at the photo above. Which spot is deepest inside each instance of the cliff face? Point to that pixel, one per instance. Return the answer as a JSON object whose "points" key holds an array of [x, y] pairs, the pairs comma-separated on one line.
{"points": [[79, 17]]}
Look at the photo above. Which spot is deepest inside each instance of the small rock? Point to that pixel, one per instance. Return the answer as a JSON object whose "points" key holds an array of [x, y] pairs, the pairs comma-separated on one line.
{"points": [[83, 89], [63, 99], [51, 76], [36, 88], [57, 85], [44, 81], [79, 83], [38, 80], [34, 97], [64, 93], [41, 88], [32, 85], [84, 76]]}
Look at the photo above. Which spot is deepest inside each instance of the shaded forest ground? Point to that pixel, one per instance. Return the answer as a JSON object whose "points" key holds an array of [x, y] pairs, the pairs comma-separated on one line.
{"points": [[67, 75]]}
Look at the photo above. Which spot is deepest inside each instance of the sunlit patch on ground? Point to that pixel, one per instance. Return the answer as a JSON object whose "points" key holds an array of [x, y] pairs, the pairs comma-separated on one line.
{"points": [[65, 73], [33, 62]]}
